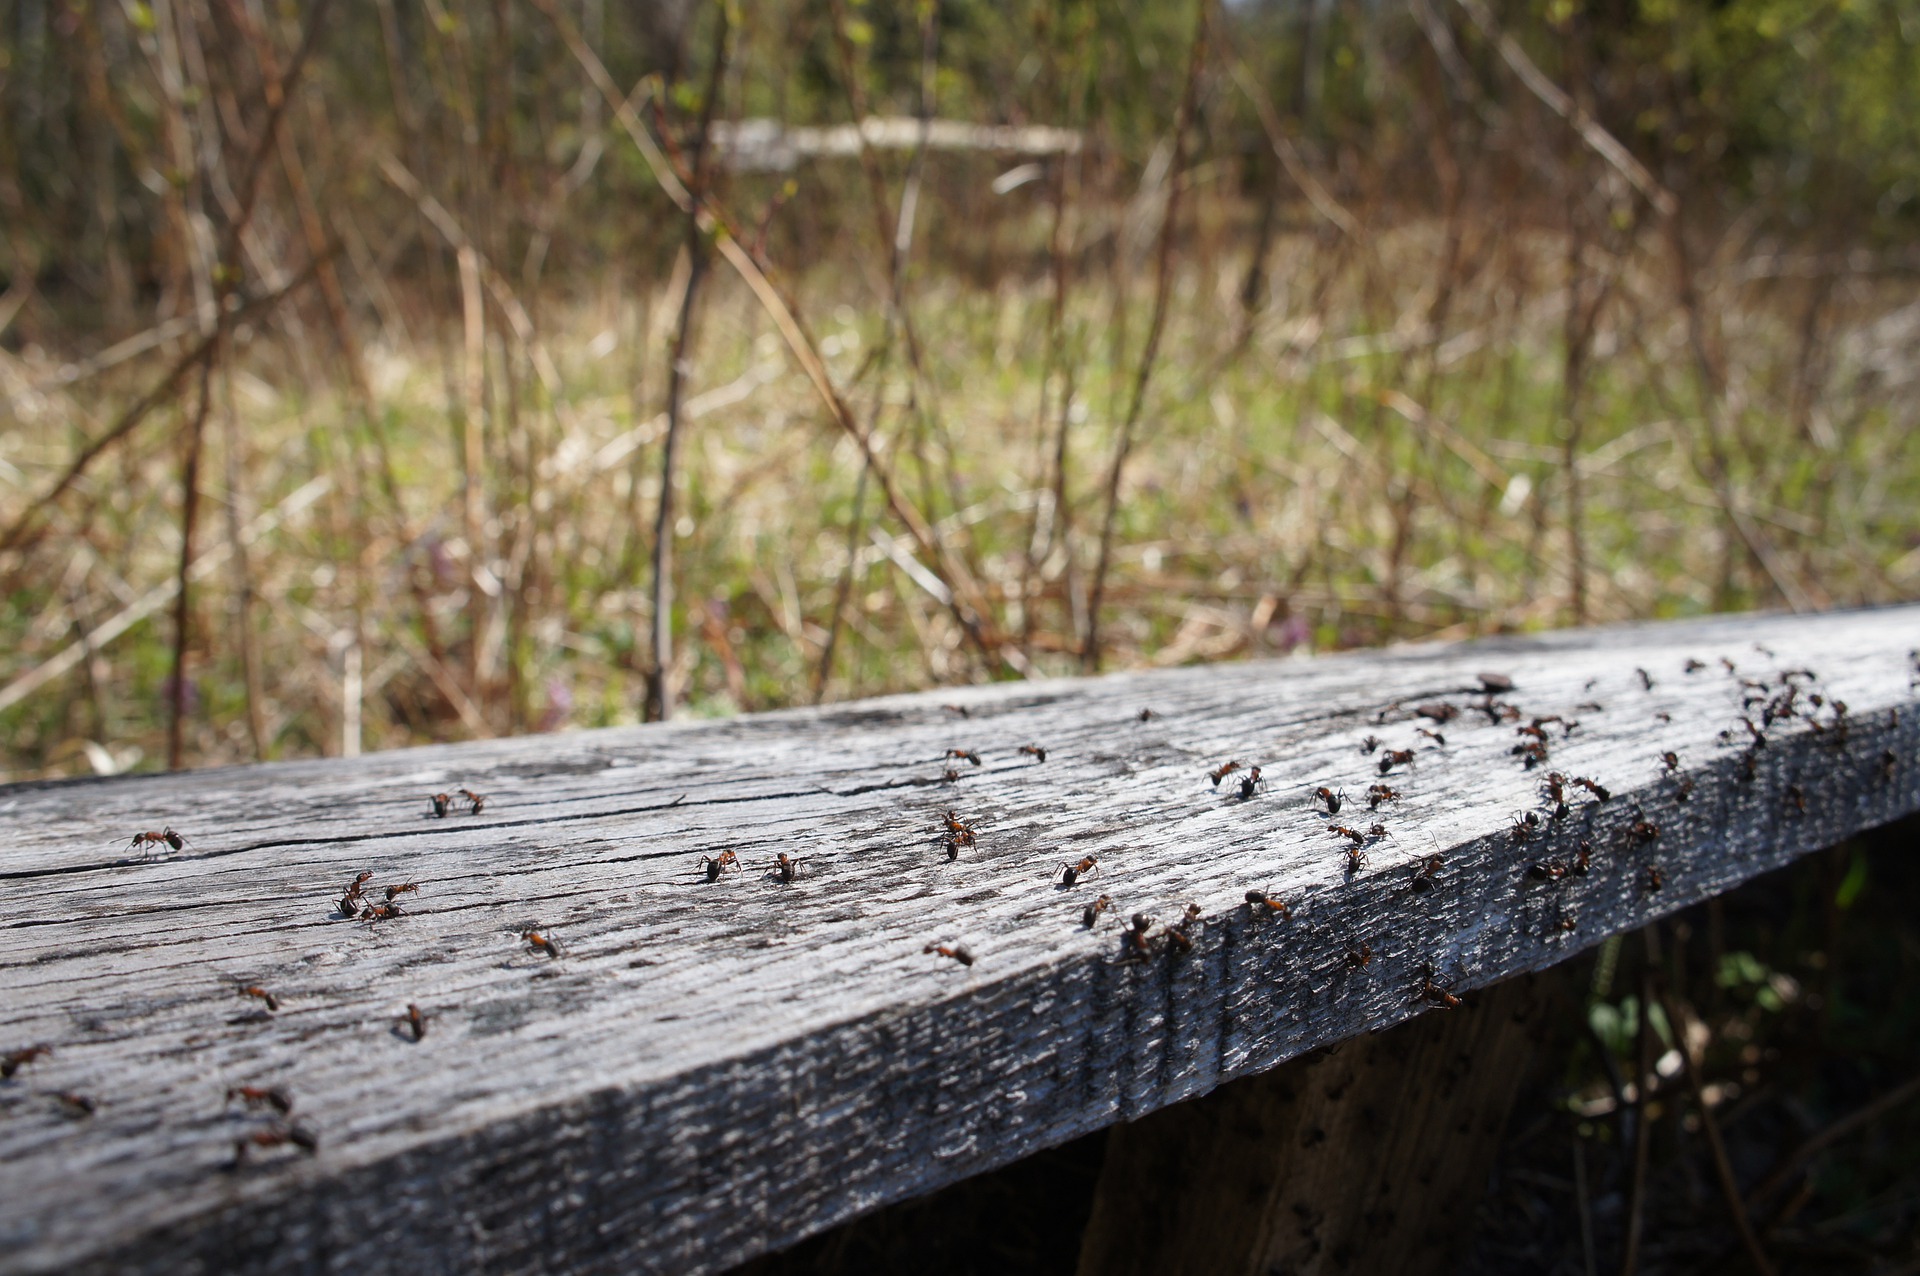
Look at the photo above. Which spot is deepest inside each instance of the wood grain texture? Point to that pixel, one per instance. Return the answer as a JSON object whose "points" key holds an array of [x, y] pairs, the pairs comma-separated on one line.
{"points": [[713, 1069]]}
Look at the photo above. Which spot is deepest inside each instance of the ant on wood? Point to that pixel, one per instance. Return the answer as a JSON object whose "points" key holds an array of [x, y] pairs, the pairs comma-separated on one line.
{"points": [[1439, 740], [1378, 793], [1433, 992], [14, 1060], [439, 803], [1599, 791], [280, 1136], [1423, 877], [1034, 751], [416, 1019], [405, 888], [1358, 957], [1655, 878], [541, 943], [77, 1106], [714, 865], [1368, 745], [955, 951], [1221, 772], [1261, 899], [1332, 799], [476, 802], [165, 837], [1179, 936], [965, 754], [1092, 912], [1068, 874], [380, 913], [786, 867], [1249, 783], [261, 1097], [260, 994], [1393, 758], [1136, 936], [958, 833]]}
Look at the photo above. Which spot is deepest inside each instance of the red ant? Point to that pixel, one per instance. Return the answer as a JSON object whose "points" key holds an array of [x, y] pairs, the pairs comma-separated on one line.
{"points": [[1646, 679], [1655, 878], [1393, 758], [1263, 900], [280, 1136], [1358, 957], [165, 837], [476, 802], [380, 912], [417, 1020], [1178, 936], [439, 803], [1034, 751], [1671, 761], [955, 951], [1547, 871], [1093, 911], [787, 867], [405, 888], [1146, 715], [1599, 791], [959, 834], [1136, 936], [1352, 835], [1644, 831], [77, 1106], [1248, 783], [1583, 862], [1068, 874], [1378, 793], [1524, 827], [1221, 772], [261, 994], [1532, 753], [541, 943], [949, 776], [261, 1097], [714, 865], [14, 1060], [1430, 991], [1434, 736], [967, 754], [1332, 799], [1423, 879]]}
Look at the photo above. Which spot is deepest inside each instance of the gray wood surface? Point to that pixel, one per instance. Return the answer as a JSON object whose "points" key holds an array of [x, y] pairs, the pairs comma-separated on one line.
{"points": [[713, 1069]]}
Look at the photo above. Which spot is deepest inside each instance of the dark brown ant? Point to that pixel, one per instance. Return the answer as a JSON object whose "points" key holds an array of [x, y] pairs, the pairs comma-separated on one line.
{"points": [[381, 913], [541, 943], [1533, 753], [1547, 871], [416, 1019], [1179, 936], [1655, 878], [1221, 772], [1352, 835], [1147, 715], [1249, 783], [476, 802], [1136, 936], [1644, 831], [1583, 862], [14, 1060], [1369, 744], [958, 710], [165, 837], [965, 754], [405, 888], [1671, 761], [261, 994], [1695, 666], [958, 831], [353, 887], [1557, 790], [1430, 991], [1423, 878], [1599, 791], [1889, 765], [1726, 664], [439, 803], [1524, 827], [1683, 791], [1332, 799], [1034, 751], [1591, 706], [1378, 793], [1439, 711], [280, 1136], [1358, 957], [1646, 679], [1092, 912], [1749, 765], [714, 865], [949, 776], [1068, 874], [1263, 900], [1566, 924], [1663, 716], [261, 1097], [786, 867], [1438, 739], [955, 951], [1535, 730], [77, 1106], [1393, 758], [1797, 798]]}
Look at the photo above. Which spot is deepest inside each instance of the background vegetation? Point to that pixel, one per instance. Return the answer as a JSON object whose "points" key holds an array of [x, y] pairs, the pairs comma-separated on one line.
{"points": [[346, 353]]}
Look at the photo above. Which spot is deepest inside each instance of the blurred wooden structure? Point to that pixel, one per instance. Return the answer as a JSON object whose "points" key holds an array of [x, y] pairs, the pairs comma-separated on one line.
{"points": [[699, 1061]]}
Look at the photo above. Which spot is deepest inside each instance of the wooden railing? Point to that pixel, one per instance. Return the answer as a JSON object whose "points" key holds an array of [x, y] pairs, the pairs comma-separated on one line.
{"points": [[599, 1029]]}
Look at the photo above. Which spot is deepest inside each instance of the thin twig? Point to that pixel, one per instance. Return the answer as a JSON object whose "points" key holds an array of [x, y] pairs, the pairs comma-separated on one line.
{"points": [[1681, 1021]]}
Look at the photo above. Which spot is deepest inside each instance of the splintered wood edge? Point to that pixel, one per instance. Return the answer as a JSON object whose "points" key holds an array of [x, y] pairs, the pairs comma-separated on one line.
{"points": [[776, 1063]]}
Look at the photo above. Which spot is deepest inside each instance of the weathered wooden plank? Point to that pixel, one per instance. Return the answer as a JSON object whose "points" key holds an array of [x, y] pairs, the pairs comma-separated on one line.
{"points": [[715, 1068]]}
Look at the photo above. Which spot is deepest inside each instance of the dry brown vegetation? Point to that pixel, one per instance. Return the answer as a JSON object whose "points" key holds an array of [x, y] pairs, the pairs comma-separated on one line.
{"points": [[378, 335]]}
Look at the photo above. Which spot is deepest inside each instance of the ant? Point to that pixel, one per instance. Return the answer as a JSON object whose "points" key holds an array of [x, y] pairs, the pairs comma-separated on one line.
{"points": [[1889, 764], [1264, 900], [416, 1019], [1566, 924], [1352, 835], [439, 803], [1439, 711], [1147, 715], [1430, 991], [1332, 799], [14, 1060], [1093, 911], [165, 837], [1583, 862], [1178, 936], [1423, 879], [1532, 752], [380, 912], [297, 1135], [1524, 827], [1358, 957], [966, 754], [718, 864], [949, 776], [1068, 874], [1393, 758], [1557, 790], [1547, 871], [77, 1106], [1136, 936], [1683, 791], [1378, 830], [1221, 772], [1797, 798], [955, 951], [1663, 716], [786, 867], [261, 994], [1435, 736], [1694, 666], [405, 888], [1655, 878], [1034, 751], [541, 943], [1671, 761], [476, 802], [353, 887], [1646, 679], [958, 834], [261, 1097], [1368, 745], [1644, 831], [1248, 783], [1378, 793], [958, 710], [1599, 791]]}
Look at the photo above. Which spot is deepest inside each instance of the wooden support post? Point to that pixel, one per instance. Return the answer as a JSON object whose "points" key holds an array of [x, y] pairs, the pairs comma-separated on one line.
{"points": [[1368, 1156]]}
